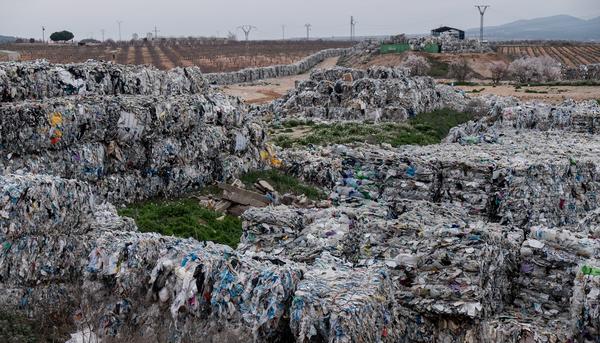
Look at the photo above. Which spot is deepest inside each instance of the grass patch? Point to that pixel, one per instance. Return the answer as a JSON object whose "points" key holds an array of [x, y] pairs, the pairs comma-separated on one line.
{"points": [[282, 183], [291, 123], [438, 68], [185, 218], [423, 129]]}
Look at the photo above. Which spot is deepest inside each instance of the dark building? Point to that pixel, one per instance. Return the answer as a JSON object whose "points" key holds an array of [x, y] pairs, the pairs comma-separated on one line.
{"points": [[459, 34]]}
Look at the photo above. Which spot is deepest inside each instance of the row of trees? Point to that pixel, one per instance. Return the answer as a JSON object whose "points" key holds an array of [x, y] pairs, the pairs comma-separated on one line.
{"points": [[522, 70]]}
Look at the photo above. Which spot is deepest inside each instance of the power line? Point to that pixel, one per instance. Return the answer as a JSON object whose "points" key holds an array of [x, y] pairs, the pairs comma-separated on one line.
{"points": [[308, 26], [482, 9], [247, 29], [43, 34]]}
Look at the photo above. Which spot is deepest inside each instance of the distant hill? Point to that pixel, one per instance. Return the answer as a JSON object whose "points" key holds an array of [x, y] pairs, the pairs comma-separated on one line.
{"points": [[7, 39], [560, 27]]}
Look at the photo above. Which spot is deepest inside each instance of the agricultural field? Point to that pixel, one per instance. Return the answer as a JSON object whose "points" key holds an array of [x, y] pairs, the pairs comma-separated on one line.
{"points": [[570, 55], [210, 56]]}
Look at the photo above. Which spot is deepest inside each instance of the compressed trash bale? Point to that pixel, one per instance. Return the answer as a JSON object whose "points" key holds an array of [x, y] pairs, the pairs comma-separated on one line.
{"points": [[515, 327], [40, 79], [33, 260], [336, 303], [303, 234], [201, 288], [585, 303], [37, 205], [549, 261], [442, 262], [379, 94]]}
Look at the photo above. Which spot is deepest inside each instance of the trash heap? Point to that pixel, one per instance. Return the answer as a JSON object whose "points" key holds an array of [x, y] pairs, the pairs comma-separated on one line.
{"points": [[129, 147], [449, 44], [40, 79], [255, 74], [568, 116], [379, 94], [582, 72]]}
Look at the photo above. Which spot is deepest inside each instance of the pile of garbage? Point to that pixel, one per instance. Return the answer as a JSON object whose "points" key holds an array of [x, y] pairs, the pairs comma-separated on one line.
{"points": [[582, 72], [489, 237], [523, 179], [449, 44], [378, 94], [255, 74], [40, 79], [511, 114], [129, 147]]}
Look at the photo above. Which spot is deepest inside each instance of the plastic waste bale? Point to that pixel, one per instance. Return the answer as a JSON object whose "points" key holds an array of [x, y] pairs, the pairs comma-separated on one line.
{"points": [[515, 327], [337, 303], [549, 261], [38, 205], [175, 288], [443, 262], [304, 234], [585, 302], [40, 79]]}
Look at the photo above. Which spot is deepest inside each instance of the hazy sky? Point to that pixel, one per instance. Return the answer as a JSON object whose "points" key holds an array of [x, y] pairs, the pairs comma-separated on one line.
{"points": [[87, 18]]}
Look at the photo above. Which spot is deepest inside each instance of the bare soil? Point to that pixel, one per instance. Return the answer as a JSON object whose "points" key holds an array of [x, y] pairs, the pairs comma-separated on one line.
{"points": [[268, 90]]}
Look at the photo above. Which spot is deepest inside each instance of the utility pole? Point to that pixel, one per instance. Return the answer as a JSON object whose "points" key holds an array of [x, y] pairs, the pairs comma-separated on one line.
{"points": [[283, 32], [308, 26], [155, 32], [102, 34], [352, 28], [247, 29], [482, 9], [43, 34], [119, 22]]}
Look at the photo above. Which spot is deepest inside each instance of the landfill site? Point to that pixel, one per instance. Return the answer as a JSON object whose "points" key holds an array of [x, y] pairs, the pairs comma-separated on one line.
{"points": [[490, 235]]}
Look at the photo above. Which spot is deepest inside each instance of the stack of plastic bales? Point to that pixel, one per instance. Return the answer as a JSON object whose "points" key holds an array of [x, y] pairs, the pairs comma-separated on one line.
{"points": [[128, 147], [379, 94], [255, 74], [40, 79], [568, 116], [549, 262]]}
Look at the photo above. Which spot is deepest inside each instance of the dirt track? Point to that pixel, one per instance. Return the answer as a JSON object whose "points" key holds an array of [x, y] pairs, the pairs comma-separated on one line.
{"points": [[551, 94], [267, 90]]}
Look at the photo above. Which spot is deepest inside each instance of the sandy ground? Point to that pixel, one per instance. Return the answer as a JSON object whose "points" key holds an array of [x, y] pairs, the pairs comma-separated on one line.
{"points": [[267, 90], [550, 94]]}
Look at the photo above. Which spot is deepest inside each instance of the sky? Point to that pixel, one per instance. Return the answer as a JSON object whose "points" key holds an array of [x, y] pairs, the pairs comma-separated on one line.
{"points": [[176, 18]]}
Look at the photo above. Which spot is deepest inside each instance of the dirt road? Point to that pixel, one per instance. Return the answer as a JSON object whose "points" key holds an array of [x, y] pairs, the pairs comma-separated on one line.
{"points": [[267, 90], [550, 94]]}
